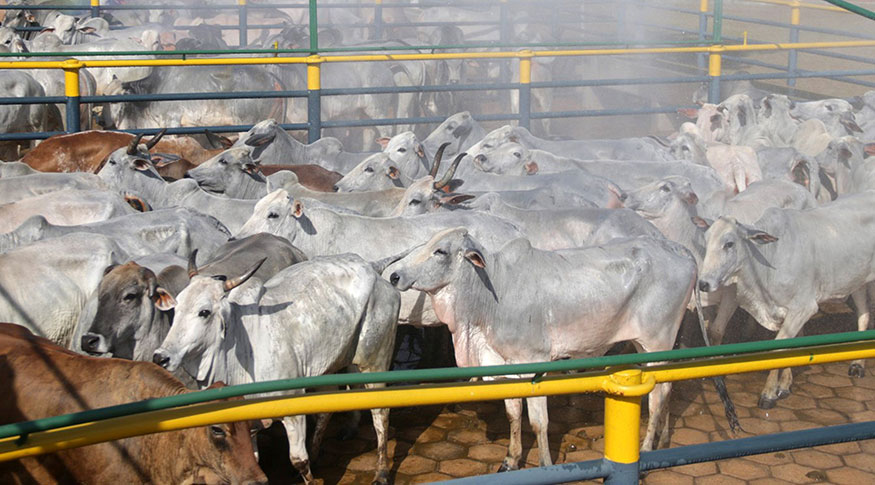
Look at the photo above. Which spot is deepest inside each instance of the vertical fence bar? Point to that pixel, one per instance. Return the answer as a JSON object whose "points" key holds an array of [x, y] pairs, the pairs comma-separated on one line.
{"points": [[378, 19], [623, 425], [717, 23], [71, 90], [703, 30], [525, 89], [314, 99], [95, 8], [715, 66], [504, 35], [242, 18], [314, 29], [795, 15]]}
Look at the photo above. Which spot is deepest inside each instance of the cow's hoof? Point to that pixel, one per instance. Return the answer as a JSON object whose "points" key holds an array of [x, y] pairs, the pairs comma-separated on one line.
{"points": [[782, 393], [856, 370], [382, 478], [766, 403], [506, 468]]}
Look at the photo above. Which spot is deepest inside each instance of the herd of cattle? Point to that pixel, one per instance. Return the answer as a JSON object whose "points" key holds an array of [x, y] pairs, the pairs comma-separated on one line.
{"points": [[272, 259]]}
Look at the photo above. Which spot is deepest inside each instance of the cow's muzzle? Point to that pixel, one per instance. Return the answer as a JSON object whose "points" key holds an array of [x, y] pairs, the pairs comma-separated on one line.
{"points": [[161, 358], [94, 343]]}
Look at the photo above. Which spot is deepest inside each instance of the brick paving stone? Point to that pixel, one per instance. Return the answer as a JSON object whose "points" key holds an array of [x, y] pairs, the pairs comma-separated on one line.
{"points": [[414, 465], [822, 417], [861, 461], [581, 455], [568, 415], [795, 402], [817, 391], [688, 436], [745, 399], [743, 469], [792, 473], [775, 414], [758, 426], [468, 436], [842, 405], [849, 476], [768, 481], [816, 459], [702, 422], [862, 416], [772, 459], [719, 480], [430, 478], [441, 450], [667, 477], [796, 425], [849, 448], [450, 421], [420, 435], [462, 467], [742, 412], [867, 446], [487, 453]]}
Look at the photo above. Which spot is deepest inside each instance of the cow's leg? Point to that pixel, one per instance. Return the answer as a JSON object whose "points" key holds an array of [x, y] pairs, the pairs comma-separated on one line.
{"points": [[725, 309], [296, 431], [322, 420], [658, 406], [381, 427], [538, 419], [776, 388], [861, 302], [514, 409]]}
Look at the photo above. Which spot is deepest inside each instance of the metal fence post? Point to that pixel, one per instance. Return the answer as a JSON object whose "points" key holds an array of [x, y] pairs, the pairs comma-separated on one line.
{"points": [[314, 99], [717, 23], [71, 90], [715, 65], [242, 18], [525, 89], [314, 29], [378, 19], [624, 390], [95, 8], [703, 29], [504, 36], [794, 37]]}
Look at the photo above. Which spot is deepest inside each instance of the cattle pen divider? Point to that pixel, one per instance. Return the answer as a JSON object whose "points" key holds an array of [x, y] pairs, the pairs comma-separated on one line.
{"points": [[621, 377], [314, 124]]}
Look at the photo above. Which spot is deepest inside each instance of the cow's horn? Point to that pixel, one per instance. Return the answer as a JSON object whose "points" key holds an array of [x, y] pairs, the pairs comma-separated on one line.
{"points": [[452, 171], [132, 148], [232, 283], [437, 159], [155, 139], [380, 265], [192, 266]]}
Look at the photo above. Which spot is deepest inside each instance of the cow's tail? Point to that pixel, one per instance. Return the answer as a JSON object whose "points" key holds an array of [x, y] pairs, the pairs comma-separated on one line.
{"points": [[719, 382]]}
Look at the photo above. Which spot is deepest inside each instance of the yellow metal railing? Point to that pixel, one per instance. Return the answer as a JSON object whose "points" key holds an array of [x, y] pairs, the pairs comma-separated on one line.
{"points": [[624, 389]]}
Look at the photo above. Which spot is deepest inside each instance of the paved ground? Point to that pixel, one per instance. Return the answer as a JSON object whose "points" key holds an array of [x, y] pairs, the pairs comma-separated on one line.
{"points": [[442, 442]]}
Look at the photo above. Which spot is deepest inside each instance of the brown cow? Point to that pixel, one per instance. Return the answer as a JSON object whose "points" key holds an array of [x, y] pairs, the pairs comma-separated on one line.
{"points": [[313, 177], [86, 151], [40, 379]]}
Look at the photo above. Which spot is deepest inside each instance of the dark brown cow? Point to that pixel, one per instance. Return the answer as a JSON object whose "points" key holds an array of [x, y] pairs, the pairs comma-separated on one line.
{"points": [[39, 379], [86, 151], [313, 177]]}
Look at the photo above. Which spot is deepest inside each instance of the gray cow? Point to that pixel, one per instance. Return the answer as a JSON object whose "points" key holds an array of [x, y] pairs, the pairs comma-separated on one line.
{"points": [[788, 262], [572, 303], [22, 187], [65, 207], [317, 317], [232, 173]]}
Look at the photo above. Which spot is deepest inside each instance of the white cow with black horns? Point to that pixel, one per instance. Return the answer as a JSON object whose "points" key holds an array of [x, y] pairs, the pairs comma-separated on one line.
{"points": [[570, 304], [788, 262], [317, 317]]}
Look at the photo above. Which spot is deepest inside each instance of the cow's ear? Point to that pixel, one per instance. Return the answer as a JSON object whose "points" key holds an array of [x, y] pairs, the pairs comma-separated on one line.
{"points": [[251, 168], [137, 203], [392, 172], [869, 148], [513, 139], [760, 237], [801, 173], [164, 301], [689, 197], [383, 142], [298, 209], [455, 199], [108, 269], [141, 165], [531, 167], [475, 258], [691, 113], [420, 152], [701, 222]]}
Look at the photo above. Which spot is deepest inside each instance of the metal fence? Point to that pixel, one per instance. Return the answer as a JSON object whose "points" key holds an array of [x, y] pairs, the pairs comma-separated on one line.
{"points": [[709, 45]]}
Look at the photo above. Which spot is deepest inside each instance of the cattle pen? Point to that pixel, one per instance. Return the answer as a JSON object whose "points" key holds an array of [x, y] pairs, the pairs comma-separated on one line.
{"points": [[692, 53]]}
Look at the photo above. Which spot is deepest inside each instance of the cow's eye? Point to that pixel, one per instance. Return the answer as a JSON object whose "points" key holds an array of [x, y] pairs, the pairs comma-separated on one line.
{"points": [[129, 296], [729, 245], [487, 146], [440, 252], [402, 150], [272, 215], [369, 170], [415, 202], [203, 313], [217, 431], [223, 161], [665, 188], [111, 162]]}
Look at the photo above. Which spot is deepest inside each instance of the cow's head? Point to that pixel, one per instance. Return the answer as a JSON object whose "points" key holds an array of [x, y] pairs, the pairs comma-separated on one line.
{"points": [[406, 152], [663, 197], [200, 320], [424, 195], [507, 159], [448, 256], [129, 298], [494, 139], [377, 172], [454, 130], [127, 166], [277, 214], [231, 168], [728, 245], [260, 137]]}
